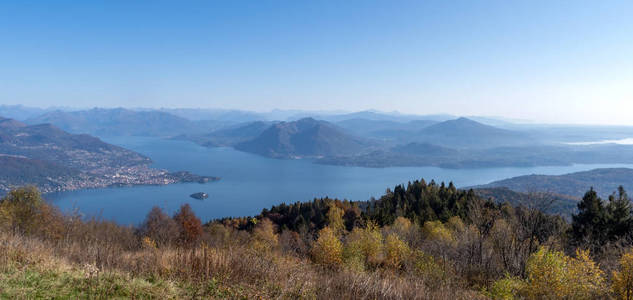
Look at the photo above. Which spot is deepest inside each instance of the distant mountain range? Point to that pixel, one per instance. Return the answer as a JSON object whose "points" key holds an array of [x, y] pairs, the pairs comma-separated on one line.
{"points": [[303, 138], [55, 160], [384, 129], [123, 122], [365, 138], [604, 181]]}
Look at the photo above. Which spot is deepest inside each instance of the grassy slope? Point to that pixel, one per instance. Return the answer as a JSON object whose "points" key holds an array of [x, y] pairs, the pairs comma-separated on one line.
{"points": [[28, 269]]}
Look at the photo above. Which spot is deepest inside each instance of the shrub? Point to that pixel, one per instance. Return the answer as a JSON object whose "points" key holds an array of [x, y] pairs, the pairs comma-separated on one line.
{"points": [[552, 274], [506, 288], [328, 249], [396, 251], [264, 238], [365, 244], [623, 278]]}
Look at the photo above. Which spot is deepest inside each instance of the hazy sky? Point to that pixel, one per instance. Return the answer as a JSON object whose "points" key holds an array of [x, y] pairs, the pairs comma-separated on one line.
{"points": [[553, 61]]}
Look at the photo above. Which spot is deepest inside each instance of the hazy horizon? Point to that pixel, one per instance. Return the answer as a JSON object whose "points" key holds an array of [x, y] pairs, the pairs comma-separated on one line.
{"points": [[558, 63], [309, 113]]}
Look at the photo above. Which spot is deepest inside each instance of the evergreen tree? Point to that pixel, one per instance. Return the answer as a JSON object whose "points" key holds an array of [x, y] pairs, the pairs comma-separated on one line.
{"points": [[619, 214], [588, 226]]}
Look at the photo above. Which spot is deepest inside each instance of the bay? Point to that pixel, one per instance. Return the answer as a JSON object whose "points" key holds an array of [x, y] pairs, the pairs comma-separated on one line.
{"points": [[250, 183]]}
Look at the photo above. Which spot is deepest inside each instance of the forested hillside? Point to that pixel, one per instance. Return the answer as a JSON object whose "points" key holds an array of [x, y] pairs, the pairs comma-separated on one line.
{"points": [[603, 181]]}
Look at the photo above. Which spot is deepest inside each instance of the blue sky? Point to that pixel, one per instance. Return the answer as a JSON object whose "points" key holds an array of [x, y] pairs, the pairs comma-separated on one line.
{"points": [[552, 61]]}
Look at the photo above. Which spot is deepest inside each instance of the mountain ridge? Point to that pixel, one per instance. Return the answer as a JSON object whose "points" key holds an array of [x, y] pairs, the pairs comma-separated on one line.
{"points": [[306, 137]]}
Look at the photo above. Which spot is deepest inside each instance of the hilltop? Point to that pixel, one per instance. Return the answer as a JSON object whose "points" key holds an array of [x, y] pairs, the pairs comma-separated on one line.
{"points": [[466, 133], [303, 138]]}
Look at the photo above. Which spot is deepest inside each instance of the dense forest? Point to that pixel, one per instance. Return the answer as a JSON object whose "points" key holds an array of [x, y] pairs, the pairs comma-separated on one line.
{"points": [[418, 241]]}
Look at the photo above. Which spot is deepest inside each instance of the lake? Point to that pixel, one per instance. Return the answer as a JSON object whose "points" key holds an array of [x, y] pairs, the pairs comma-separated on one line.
{"points": [[250, 183]]}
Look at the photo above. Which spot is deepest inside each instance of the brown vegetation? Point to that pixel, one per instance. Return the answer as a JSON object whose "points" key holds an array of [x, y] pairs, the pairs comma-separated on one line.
{"points": [[497, 252]]}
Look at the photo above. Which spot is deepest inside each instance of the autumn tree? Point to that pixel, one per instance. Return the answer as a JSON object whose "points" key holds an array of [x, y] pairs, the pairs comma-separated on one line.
{"points": [[364, 245], [396, 251], [159, 227], [553, 275], [264, 238], [190, 227], [20, 210], [328, 249], [622, 279], [335, 219]]}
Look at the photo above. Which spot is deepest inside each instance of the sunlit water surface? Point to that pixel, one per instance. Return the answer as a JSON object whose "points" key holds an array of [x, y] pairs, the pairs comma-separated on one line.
{"points": [[250, 182]]}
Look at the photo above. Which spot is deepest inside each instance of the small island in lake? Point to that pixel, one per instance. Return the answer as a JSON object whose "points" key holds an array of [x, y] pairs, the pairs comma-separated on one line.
{"points": [[200, 196]]}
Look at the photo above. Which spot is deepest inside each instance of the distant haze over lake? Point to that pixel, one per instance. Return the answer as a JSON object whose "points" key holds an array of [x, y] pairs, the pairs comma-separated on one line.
{"points": [[626, 141]]}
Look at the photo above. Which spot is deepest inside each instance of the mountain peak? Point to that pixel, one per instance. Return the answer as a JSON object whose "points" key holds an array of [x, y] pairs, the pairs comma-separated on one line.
{"points": [[306, 137]]}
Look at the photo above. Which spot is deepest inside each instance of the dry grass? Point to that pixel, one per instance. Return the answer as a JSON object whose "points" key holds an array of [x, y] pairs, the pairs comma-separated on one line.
{"points": [[34, 267], [45, 254]]}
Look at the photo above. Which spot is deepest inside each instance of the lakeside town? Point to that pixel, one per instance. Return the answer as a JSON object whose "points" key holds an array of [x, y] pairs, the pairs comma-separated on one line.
{"points": [[113, 177]]}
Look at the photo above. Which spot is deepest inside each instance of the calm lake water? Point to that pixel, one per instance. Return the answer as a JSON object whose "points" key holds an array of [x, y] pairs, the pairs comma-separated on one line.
{"points": [[250, 182]]}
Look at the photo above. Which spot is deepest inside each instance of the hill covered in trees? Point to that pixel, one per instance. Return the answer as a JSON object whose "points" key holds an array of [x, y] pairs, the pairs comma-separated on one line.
{"points": [[603, 181], [303, 138]]}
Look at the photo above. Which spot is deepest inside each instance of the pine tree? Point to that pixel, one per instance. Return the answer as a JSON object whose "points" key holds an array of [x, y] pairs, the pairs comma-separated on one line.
{"points": [[619, 214], [588, 226]]}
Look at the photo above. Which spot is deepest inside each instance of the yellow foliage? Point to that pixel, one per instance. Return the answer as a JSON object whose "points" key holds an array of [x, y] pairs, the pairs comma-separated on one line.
{"points": [[432, 270], [148, 243], [365, 244], [623, 278], [552, 274], [396, 251], [401, 224], [335, 219], [506, 288], [264, 237], [455, 224], [436, 231], [328, 249], [586, 280]]}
